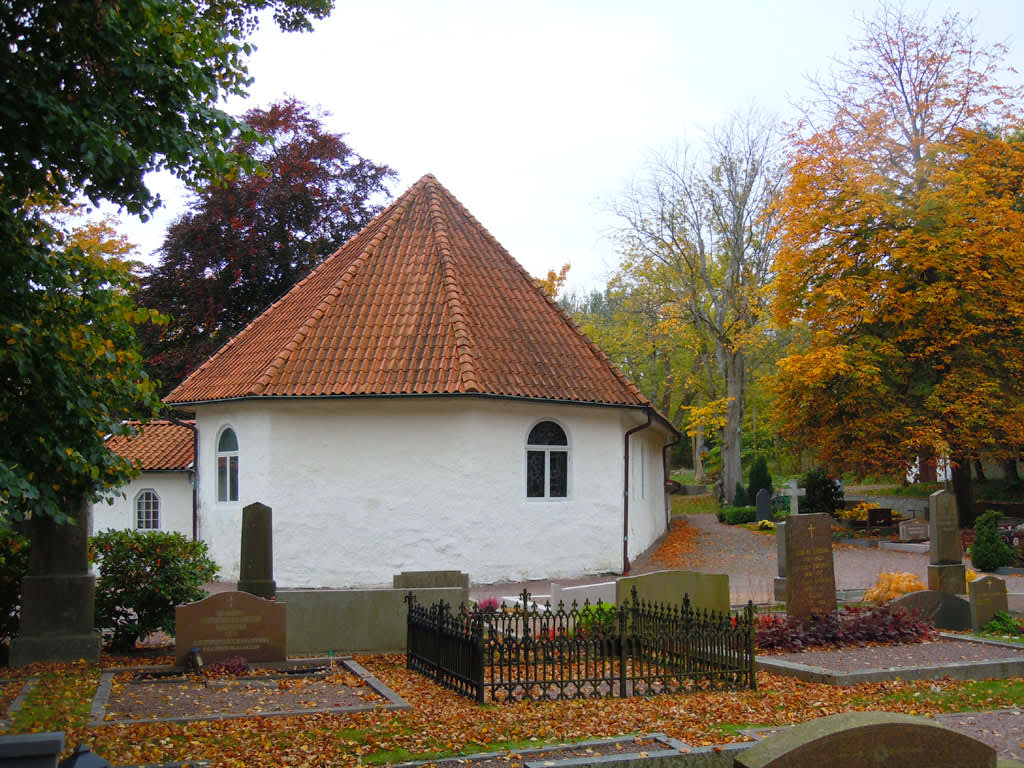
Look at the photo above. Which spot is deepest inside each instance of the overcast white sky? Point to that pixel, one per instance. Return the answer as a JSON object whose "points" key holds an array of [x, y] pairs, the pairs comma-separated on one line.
{"points": [[536, 115]]}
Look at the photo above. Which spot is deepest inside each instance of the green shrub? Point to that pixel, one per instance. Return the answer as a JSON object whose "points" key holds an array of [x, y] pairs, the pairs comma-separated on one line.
{"points": [[142, 577], [1003, 623], [823, 493], [13, 567], [758, 478], [598, 619], [989, 551], [740, 496], [737, 515]]}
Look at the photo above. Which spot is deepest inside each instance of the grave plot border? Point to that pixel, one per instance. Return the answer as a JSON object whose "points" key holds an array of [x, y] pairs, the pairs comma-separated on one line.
{"points": [[391, 699], [993, 669]]}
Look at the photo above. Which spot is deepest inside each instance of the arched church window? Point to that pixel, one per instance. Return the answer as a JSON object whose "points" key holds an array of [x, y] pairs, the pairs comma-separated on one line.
{"points": [[547, 462], [227, 466]]}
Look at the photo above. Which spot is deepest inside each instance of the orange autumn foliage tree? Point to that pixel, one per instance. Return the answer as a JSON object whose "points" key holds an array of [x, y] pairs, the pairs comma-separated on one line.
{"points": [[902, 257]]}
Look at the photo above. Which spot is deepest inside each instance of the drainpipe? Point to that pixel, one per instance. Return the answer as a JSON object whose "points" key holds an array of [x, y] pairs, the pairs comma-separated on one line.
{"points": [[195, 473], [667, 474], [625, 497]]}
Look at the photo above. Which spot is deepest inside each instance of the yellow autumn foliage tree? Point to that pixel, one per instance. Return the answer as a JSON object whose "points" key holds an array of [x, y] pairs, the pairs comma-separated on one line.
{"points": [[902, 256]]}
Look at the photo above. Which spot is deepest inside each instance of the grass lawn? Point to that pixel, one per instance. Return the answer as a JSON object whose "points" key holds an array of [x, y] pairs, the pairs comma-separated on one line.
{"points": [[441, 723]]}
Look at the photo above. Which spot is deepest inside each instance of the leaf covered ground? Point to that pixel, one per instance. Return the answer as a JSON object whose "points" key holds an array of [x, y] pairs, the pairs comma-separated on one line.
{"points": [[442, 723]]}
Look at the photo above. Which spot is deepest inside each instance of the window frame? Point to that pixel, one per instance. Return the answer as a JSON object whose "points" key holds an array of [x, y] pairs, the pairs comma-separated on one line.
{"points": [[226, 481], [152, 513], [547, 449]]}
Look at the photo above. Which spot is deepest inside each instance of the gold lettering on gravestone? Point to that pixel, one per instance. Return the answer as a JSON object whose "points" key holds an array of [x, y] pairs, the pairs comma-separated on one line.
{"points": [[232, 623]]}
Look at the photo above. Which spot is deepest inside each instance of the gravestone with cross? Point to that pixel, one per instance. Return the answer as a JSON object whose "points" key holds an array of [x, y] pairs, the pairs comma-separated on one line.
{"points": [[810, 572], [794, 494]]}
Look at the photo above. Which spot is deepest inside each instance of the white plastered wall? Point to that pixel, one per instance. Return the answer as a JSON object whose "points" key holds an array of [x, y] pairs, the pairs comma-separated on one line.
{"points": [[174, 490], [362, 489]]}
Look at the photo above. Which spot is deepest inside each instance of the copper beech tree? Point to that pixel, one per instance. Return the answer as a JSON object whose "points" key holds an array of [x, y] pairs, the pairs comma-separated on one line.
{"points": [[902, 257]]}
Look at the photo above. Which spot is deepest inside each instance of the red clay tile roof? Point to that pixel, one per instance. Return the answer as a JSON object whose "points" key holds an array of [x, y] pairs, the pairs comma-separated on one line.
{"points": [[160, 444], [422, 301]]}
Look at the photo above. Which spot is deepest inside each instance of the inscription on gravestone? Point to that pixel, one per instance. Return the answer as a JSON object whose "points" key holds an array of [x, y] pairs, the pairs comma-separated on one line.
{"points": [[810, 573], [913, 530], [987, 595], [231, 624]]}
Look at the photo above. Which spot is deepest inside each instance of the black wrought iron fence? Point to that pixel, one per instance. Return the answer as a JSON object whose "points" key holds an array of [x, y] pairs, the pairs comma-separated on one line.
{"points": [[535, 652]]}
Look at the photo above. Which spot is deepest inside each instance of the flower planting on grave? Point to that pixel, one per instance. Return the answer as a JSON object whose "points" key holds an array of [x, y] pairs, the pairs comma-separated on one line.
{"points": [[889, 586], [849, 626], [1003, 624], [859, 513]]}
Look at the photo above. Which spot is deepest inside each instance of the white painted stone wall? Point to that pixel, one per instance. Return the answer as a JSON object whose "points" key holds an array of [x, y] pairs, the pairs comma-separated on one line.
{"points": [[174, 490], [364, 489]]}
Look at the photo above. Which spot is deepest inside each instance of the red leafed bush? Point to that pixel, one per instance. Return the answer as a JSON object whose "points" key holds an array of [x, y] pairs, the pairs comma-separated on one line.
{"points": [[850, 626]]}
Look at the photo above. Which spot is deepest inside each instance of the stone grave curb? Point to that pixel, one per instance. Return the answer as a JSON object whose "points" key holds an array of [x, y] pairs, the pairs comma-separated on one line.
{"points": [[998, 669], [19, 701], [904, 546], [103, 689], [675, 750]]}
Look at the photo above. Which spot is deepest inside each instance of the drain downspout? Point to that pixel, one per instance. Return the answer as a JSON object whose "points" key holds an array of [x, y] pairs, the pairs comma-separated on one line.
{"points": [[195, 473], [667, 475], [625, 496]]}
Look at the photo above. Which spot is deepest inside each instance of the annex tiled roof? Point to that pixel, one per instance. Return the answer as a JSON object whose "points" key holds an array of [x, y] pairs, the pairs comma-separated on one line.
{"points": [[422, 301], [160, 445]]}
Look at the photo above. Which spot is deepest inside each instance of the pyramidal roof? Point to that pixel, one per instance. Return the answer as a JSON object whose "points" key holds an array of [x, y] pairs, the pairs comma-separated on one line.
{"points": [[423, 301]]}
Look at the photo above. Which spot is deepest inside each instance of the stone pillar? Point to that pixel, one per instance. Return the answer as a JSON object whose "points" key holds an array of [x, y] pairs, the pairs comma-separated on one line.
{"points": [[946, 571], [780, 550], [256, 573], [57, 595]]}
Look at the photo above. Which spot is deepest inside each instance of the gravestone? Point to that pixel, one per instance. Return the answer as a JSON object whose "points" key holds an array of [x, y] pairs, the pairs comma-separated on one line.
{"points": [[942, 609], [946, 571], [763, 503], [430, 580], [57, 594], [914, 530], [869, 740], [986, 596], [879, 517], [708, 591], [794, 494], [31, 750], [231, 624], [810, 573], [256, 573], [780, 551]]}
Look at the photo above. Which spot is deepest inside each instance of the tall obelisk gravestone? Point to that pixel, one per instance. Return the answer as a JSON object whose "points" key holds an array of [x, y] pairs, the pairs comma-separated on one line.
{"points": [[946, 572], [256, 574], [57, 595]]}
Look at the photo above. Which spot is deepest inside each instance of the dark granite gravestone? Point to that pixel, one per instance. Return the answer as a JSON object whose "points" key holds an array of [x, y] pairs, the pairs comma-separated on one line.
{"points": [[810, 573], [869, 740], [986, 596], [763, 503], [946, 571], [914, 530], [57, 595], [879, 517], [231, 624], [256, 573], [944, 610]]}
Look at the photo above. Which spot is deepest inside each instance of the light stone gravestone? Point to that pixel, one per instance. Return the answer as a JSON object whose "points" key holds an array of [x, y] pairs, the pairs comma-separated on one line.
{"points": [[914, 530], [708, 591], [430, 580], [946, 571], [869, 740], [763, 503], [810, 572], [942, 609], [256, 573], [231, 624], [794, 494], [986, 596]]}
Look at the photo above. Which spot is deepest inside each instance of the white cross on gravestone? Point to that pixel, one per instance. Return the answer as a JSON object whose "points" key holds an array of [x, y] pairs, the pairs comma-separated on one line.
{"points": [[794, 494]]}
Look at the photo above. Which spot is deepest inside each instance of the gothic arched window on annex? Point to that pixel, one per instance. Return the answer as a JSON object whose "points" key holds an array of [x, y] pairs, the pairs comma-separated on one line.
{"points": [[147, 510], [227, 466], [547, 462]]}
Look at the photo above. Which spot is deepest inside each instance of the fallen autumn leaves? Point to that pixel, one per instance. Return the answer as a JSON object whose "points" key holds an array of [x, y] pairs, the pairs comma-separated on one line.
{"points": [[440, 721]]}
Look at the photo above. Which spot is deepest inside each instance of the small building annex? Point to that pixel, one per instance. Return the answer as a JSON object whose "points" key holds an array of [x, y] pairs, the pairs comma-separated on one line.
{"points": [[161, 497], [417, 402]]}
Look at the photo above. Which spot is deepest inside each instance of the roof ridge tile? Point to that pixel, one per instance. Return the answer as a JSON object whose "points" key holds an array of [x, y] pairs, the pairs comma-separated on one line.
{"points": [[452, 291]]}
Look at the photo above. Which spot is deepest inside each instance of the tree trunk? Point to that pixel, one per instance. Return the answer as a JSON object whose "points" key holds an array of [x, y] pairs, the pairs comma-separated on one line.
{"points": [[698, 456], [1010, 473], [732, 433], [963, 489], [979, 471]]}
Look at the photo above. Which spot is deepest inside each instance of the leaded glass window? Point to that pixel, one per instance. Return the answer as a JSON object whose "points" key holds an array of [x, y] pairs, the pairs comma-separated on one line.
{"points": [[227, 466], [147, 511], [547, 462]]}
